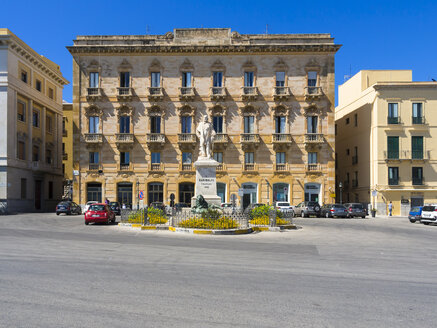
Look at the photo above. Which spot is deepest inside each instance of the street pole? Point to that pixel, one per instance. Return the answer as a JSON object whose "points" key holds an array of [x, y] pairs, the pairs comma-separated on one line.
{"points": [[138, 195], [340, 185]]}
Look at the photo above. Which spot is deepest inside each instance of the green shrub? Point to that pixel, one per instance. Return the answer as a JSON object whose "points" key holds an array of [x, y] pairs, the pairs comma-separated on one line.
{"points": [[264, 211], [221, 223]]}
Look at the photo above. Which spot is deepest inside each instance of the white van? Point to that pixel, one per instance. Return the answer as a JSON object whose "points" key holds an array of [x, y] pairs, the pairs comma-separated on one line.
{"points": [[429, 214]]}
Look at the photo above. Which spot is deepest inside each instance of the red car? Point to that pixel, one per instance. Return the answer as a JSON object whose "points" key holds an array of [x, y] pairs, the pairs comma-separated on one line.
{"points": [[99, 213]]}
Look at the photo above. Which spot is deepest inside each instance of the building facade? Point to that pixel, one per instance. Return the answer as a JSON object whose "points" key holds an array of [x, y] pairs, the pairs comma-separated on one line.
{"points": [[137, 101], [31, 128], [67, 150], [384, 145]]}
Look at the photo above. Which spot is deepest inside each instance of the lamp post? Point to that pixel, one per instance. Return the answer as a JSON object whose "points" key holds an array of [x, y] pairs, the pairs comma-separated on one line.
{"points": [[138, 195], [340, 186]]}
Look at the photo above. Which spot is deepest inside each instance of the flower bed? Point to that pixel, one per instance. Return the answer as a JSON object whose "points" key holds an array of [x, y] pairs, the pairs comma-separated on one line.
{"points": [[155, 216], [206, 223], [265, 220], [260, 216]]}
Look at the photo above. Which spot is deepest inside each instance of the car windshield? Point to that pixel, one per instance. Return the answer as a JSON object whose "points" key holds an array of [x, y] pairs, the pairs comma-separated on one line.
{"points": [[283, 204], [428, 208], [357, 206], [64, 203], [113, 203], [339, 206], [97, 207], [415, 209]]}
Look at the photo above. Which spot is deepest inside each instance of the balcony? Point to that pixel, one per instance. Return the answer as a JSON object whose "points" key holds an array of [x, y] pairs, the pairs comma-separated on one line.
{"points": [[186, 93], [94, 167], [156, 94], [416, 181], [390, 155], [93, 138], [218, 93], [94, 94], [393, 120], [124, 139], [281, 138], [221, 168], [313, 138], [64, 156], [221, 139], [416, 155], [393, 182], [354, 159], [155, 139], [418, 120], [125, 167], [281, 168], [249, 139], [156, 167], [124, 94], [186, 168], [250, 167], [249, 93], [313, 168], [313, 93], [281, 93], [187, 138]]}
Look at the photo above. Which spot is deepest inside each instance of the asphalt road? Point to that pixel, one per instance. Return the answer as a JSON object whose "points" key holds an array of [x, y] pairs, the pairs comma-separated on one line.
{"points": [[57, 272]]}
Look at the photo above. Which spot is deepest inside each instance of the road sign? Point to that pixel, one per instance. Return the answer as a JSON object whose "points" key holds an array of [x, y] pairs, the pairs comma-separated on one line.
{"points": [[332, 195], [240, 192], [75, 172], [374, 193], [141, 194]]}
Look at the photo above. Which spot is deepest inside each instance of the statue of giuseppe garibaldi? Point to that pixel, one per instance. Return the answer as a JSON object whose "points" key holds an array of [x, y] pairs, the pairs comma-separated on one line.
{"points": [[206, 133]]}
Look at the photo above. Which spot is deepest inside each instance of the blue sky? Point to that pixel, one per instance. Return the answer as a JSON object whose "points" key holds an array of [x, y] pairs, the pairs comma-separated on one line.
{"points": [[375, 34]]}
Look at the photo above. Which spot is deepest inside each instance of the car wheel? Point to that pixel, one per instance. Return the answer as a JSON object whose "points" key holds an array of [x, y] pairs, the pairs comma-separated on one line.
{"points": [[425, 223], [363, 217], [413, 221], [57, 213], [86, 223]]}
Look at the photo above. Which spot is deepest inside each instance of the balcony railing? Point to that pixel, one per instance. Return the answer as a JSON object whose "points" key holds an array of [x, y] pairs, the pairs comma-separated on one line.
{"points": [[418, 181], [393, 120], [418, 120], [250, 167], [157, 167], [124, 91], [221, 138], [281, 138], [313, 167], [93, 138], [158, 138], [186, 93], [249, 93], [313, 92], [393, 182], [94, 93], [186, 167], [281, 92], [221, 167], [391, 154], [354, 159], [94, 167], [281, 167], [124, 138], [218, 93], [313, 138], [64, 156], [251, 138], [407, 155], [124, 167], [186, 138], [156, 93]]}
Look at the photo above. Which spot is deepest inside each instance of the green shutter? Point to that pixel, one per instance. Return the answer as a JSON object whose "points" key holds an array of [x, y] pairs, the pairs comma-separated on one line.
{"points": [[393, 147], [417, 147]]}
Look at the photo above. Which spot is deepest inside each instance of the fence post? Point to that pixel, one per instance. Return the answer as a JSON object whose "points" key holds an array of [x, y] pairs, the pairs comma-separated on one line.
{"points": [[272, 217]]}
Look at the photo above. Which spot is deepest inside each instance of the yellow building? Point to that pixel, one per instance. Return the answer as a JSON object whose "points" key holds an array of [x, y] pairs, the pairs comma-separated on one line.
{"points": [[67, 149], [385, 132], [30, 129], [137, 100]]}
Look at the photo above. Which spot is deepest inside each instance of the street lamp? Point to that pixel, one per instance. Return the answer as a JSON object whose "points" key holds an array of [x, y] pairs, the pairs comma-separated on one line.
{"points": [[138, 195], [340, 185]]}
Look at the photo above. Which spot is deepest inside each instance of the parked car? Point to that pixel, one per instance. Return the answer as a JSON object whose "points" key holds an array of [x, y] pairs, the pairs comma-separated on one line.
{"points": [[415, 214], [305, 209], [68, 208], [355, 210], [87, 205], [158, 205], [284, 207], [226, 205], [251, 206], [429, 214], [115, 207], [99, 213], [334, 210]]}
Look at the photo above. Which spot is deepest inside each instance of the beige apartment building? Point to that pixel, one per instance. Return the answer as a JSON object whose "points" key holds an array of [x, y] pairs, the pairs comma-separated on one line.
{"points": [[30, 129], [67, 150], [137, 101], [385, 143]]}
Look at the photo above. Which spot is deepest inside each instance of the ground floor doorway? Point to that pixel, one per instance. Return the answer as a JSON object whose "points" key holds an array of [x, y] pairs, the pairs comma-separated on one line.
{"points": [[38, 194], [249, 193], [221, 191], [186, 192], [280, 192], [155, 192], [94, 192], [124, 194], [312, 192]]}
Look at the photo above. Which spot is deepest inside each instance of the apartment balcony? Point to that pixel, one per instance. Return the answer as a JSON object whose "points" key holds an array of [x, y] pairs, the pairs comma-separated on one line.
{"points": [[354, 159], [221, 139], [281, 168], [418, 181], [93, 139], [407, 155], [282, 139], [155, 139], [313, 168], [156, 94], [124, 94], [249, 93], [94, 167], [186, 168], [312, 93], [156, 167], [187, 139], [393, 120], [281, 93], [125, 167], [394, 182], [313, 138], [250, 168], [221, 168], [124, 139], [418, 120], [64, 156], [187, 93], [94, 94], [218, 93], [249, 139]]}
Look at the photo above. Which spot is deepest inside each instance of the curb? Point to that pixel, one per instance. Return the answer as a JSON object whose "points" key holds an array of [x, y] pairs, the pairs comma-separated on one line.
{"points": [[211, 232], [275, 229]]}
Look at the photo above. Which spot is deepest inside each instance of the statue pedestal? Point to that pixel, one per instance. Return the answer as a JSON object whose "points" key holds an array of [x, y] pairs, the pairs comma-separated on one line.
{"points": [[206, 181]]}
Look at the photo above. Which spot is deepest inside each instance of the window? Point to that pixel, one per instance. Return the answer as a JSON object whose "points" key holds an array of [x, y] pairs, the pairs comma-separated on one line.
{"points": [[186, 124], [217, 123], [23, 188], [336, 163], [155, 78], [49, 124], [51, 93], [312, 158], [21, 153], [347, 151], [218, 157], [63, 124], [347, 121], [48, 156], [94, 79], [21, 111], [155, 124], [249, 158], [393, 114], [186, 79], [355, 181], [312, 78], [248, 79], [186, 158], [312, 124], [24, 76], [417, 175], [280, 158], [124, 124], [63, 168], [35, 153], [249, 124], [355, 156], [417, 113], [94, 157], [94, 124], [393, 147], [393, 176], [124, 79], [280, 124], [217, 79], [50, 189], [156, 158], [63, 147], [280, 79], [35, 118], [417, 147], [38, 85], [356, 119], [124, 158]]}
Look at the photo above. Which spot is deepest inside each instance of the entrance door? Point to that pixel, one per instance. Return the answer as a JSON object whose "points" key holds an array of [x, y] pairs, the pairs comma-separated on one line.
{"points": [[38, 187], [156, 192], [186, 192], [312, 192], [246, 200], [94, 192], [124, 193]]}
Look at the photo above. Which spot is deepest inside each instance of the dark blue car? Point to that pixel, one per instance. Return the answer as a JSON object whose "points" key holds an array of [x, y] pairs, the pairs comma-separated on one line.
{"points": [[415, 214]]}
